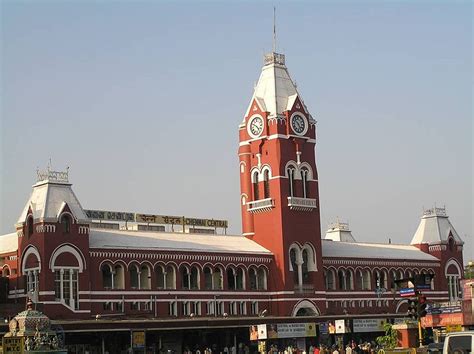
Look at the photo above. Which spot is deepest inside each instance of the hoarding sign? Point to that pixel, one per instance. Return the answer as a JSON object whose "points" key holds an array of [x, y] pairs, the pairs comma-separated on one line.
{"points": [[13, 345], [340, 326], [138, 339], [442, 320], [295, 330], [262, 331], [368, 325]]}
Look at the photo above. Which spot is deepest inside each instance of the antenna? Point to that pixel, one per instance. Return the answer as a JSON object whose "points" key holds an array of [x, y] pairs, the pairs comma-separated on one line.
{"points": [[274, 29]]}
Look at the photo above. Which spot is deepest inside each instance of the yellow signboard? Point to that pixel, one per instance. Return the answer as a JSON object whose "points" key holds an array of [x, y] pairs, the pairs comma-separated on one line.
{"points": [[138, 339], [13, 345], [453, 328]]}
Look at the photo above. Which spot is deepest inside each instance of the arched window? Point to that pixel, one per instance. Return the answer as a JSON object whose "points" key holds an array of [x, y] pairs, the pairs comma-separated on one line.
{"points": [[208, 278], [29, 226], [134, 277], [330, 280], [451, 244], [253, 279], [170, 278], [304, 179], [107, 277], [366, 280], [6, 272], [262, 279], [266, 184], [393, 277], [349, 280], [239, 279], [66, 223], [185, 278], [453, 275], [145, 278], [341, 277], [304, 266], [432, 285], [231, 283], [256, 195], [194, 278], [294, 266], [291, 181], [160, 277], [217, 277], [119, 277]]}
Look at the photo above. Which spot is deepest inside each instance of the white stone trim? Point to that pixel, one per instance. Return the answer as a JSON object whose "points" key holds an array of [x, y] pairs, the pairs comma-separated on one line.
{"points": [[454, 262], [67, 248], [30, 250]]}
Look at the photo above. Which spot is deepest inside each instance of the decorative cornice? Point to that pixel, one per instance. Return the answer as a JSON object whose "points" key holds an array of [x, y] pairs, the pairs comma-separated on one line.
{"points": [[180, 257], [45, 228], [366, 262]]}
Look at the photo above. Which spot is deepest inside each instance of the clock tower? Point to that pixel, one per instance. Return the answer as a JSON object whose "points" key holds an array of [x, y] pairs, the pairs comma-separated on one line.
{"points": [[279, 181]]}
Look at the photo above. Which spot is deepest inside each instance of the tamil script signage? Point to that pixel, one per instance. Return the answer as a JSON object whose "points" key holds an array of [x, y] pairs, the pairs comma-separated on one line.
{"points": [[368, 325], [109, 215], [104, 215], [13, 345]]}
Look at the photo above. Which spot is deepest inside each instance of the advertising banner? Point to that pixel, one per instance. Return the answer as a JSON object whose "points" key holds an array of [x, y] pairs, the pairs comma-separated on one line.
{"points": [[368, 325], [340, 326], [13, 345], [262, 331], [138, 339], [442, 320], [296, 330]]}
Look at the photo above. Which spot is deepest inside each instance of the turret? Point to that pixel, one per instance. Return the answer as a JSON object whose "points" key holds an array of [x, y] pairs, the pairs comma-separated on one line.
{"points": [[436, 235]]}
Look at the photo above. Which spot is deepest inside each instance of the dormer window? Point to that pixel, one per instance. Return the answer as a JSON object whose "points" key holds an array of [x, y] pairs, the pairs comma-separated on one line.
{"points": [[66, 223], [29, 226], [451, 244]]}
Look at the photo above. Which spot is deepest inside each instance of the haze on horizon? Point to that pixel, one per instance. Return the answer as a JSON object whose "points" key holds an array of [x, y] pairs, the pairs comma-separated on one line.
{"points": [[143, 101]]}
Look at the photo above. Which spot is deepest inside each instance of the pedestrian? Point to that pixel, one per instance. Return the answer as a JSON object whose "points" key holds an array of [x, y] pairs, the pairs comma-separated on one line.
{"points": [[348, 348]]}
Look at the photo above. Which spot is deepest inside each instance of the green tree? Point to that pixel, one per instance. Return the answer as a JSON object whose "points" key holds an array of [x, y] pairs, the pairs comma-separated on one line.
{"points": [[389, 340]]}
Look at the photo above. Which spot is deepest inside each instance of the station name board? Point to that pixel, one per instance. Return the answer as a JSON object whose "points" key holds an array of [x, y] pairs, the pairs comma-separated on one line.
{"points": [[104, 215]]}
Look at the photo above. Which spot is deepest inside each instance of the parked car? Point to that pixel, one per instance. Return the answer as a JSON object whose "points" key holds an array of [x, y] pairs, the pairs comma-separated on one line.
{"points": [[459, 343]]}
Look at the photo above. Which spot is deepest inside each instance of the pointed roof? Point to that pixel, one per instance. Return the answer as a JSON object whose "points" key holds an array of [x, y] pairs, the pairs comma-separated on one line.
{"points": [[275, 92], [435, 227], [49, 197], [339, 231]]}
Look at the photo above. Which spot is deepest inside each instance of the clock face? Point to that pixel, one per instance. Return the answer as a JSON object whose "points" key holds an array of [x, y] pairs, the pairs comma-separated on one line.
{"points": [[298, 124], [255, 126]]}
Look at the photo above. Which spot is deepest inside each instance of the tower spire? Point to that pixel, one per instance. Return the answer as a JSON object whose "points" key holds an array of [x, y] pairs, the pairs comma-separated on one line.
{"points": [[274, 29]]}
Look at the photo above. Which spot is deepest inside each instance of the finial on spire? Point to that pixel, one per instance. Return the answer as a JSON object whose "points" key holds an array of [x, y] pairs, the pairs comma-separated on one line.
{"points": [[274, 30]]}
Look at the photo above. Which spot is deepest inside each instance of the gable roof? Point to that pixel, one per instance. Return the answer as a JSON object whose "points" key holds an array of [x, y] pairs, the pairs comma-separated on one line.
{"points": [[8, 243], [166, 241]]}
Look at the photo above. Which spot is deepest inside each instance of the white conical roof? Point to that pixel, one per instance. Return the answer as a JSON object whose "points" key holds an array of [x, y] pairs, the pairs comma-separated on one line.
{"points": [[435, 227], [339, 231], [275, 92], [49, 197]]}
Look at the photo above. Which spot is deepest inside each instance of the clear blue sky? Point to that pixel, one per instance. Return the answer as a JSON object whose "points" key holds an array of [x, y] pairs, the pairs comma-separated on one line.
{"points": [[143, 99]]}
